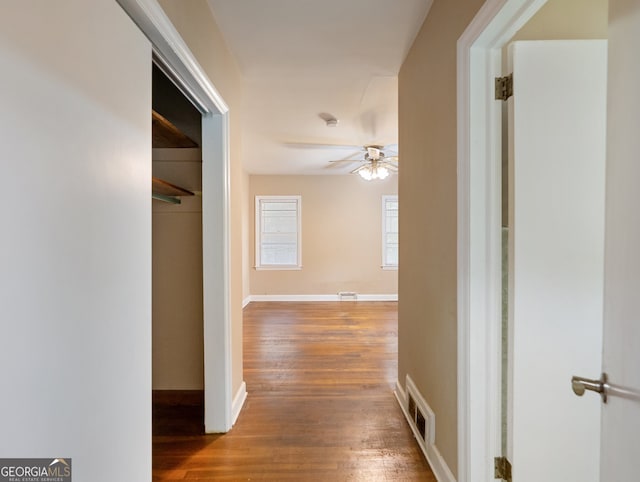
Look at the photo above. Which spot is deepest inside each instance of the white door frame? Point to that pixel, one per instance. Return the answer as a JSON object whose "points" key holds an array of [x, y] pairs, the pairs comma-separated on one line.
{"points": [[479, 59], [176, 60]]}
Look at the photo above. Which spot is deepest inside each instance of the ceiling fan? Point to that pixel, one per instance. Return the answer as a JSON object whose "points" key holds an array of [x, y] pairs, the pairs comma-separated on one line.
{"points": [[374, 160], [375, 164]]}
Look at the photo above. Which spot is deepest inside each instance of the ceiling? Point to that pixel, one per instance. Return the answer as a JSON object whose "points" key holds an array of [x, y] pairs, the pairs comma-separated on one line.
{"points": [[303, 59]]}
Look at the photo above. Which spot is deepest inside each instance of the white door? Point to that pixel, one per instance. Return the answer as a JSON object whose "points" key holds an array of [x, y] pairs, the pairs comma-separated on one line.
{"points": [[75, 248], [621, 359], [556, 222]]}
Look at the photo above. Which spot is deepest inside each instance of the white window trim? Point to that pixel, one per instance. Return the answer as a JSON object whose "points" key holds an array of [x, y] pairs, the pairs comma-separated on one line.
{"points": [[386, 197], [258, 232]]}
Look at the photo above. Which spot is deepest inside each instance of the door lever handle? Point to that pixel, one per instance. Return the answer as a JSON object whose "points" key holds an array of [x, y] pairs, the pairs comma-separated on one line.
{"points": [[580, 385]]}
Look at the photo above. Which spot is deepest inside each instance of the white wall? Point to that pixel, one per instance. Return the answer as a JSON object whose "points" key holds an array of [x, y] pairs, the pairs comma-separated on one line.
{"points": [[75, 250]]}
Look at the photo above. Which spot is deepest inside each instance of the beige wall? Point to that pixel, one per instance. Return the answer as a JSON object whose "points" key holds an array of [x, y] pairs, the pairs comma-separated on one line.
{"points": [[178, 344], [567, 19], [341, 236], [427, 338], [195, 22]]}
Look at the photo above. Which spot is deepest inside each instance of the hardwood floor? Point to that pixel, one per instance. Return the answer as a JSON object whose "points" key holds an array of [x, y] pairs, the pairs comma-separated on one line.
{"points": [[320, 378]]}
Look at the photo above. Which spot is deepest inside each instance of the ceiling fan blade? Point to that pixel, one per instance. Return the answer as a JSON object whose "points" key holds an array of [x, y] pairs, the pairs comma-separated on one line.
{"points": [[341, 164], [390, 166], [391, 158], [344, 161], [357, 156], [311, 145], [390, 148]]}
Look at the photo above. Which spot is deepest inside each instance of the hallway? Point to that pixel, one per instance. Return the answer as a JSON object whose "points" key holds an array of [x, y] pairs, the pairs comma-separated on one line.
{"points": [[320, 378]]}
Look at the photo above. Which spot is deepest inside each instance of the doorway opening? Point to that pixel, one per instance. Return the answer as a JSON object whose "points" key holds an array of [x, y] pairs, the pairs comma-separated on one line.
{"points": [[177, 303], [480, 255], [172, 55]]}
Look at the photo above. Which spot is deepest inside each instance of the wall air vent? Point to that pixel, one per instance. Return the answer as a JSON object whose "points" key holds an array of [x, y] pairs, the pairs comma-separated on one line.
{"points": [[421, 423], [420, 415], [412, 407]]}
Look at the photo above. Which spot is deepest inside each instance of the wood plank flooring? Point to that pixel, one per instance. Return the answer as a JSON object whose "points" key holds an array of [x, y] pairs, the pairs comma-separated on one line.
{"points": [[320, 378]]}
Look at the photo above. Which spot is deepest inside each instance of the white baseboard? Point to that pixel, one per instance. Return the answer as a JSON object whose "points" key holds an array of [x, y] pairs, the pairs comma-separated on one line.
{"points": [[238, 402], [401, 396], [336, 297], [429, 449], [246, 301]]}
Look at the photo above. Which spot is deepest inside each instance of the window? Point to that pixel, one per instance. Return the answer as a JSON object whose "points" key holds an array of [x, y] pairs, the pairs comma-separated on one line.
{"points": [[390, 231], [278, 232]]}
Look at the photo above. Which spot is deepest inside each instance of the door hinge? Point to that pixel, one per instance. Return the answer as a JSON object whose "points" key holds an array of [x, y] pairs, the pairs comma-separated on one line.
{"points": [[504, 87], [502, 468]]}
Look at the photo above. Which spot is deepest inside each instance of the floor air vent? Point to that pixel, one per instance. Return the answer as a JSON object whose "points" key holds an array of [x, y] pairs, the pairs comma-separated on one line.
{"points": [[347, 295]]}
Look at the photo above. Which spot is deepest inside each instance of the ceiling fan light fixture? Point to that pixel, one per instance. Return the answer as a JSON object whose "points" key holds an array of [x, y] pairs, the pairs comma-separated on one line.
{"points": [[365, 173], [372, 171], [380, 172]]}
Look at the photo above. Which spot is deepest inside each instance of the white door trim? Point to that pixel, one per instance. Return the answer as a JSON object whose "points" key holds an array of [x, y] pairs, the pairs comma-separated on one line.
{"points": [[174, 57], [479, 233]]}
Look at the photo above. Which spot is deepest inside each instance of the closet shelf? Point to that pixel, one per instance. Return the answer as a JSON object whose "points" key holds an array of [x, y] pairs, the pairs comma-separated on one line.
{"points": [[165, 134], [167, 192]]}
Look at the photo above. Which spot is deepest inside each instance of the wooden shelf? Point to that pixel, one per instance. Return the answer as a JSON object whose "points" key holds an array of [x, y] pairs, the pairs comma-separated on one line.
{"points": [[167, 135], [167, 192], [164, 188]]}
